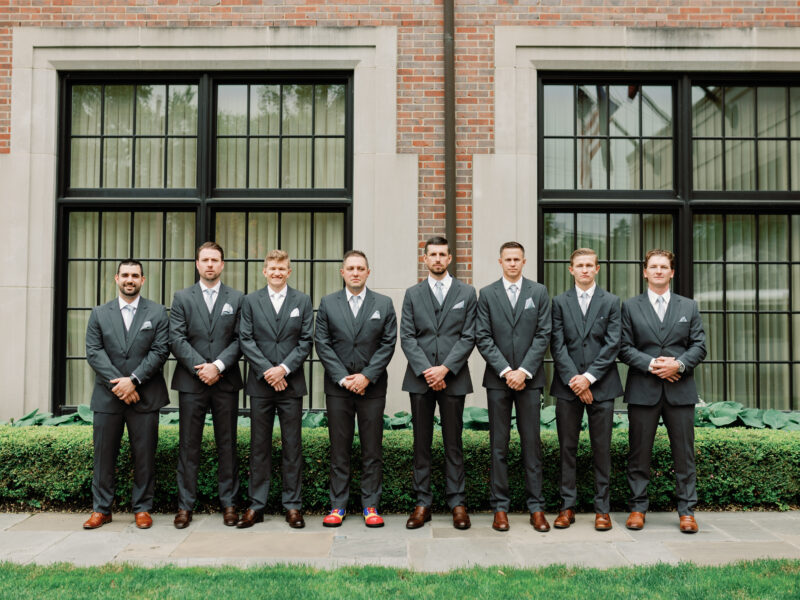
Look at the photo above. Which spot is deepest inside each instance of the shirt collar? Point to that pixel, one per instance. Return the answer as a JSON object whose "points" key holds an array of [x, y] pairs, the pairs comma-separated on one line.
{"points": [[654, 297], [203, 288], [590, 291], [446, 282], [134, 304], [362, 294], [281, 294], [507, 284]]}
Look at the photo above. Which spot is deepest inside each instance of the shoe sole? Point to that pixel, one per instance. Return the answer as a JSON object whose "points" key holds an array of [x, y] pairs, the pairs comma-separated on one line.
{"points": [[339, 524], [602, 528], [144, 526], [374, 525], [563, 526], [637, 528]]}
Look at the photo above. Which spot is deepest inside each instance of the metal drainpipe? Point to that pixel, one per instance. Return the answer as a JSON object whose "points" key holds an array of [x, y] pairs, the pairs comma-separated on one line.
{"points": [[450, 130]]}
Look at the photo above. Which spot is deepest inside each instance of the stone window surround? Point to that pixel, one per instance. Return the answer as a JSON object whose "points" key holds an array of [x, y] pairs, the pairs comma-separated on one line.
{"points": [[505, 183], [385, 183]]}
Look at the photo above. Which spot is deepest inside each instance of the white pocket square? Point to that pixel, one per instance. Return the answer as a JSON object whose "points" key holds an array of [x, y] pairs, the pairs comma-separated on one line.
{"points": [[376, 315], [227, 309], [458, 305], [295, 313], [146, 325], [683, 320], [529, 304]]}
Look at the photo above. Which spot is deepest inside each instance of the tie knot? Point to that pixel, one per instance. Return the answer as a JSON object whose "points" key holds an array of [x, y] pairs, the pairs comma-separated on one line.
{"points": [[585, 295], [130, 308], [513, 288]]}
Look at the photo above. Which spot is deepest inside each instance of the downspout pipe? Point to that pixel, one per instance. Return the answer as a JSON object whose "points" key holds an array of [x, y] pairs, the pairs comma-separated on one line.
{"points": [[450, 131]]}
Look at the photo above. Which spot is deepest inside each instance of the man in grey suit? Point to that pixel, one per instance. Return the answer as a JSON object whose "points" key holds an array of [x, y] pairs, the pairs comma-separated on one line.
{"points": [[584, 345], [662, 342], [276, 333], [126, 345], [437, 334], [355, 336], [512, 334], [204, 337]]}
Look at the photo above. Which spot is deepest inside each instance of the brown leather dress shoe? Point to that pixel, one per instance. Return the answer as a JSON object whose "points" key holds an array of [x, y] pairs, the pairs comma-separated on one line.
{"points": [[418, 518], [96, 520], [230, 516], [461, 518], [564, 519], [295, 519], [500, 522], [250, 518], [182, 519], [602, 522], [688, 524], [143, 520], [635, 521], [539, 521]]}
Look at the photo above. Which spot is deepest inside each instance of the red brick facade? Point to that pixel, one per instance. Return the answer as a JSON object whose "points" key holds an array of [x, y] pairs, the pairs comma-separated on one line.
{"points": [[420, 81]]}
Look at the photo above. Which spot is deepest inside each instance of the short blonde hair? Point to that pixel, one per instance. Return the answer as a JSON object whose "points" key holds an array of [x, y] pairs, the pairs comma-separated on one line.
{"points": [[277, 256], [659, 252], [583, 252]]}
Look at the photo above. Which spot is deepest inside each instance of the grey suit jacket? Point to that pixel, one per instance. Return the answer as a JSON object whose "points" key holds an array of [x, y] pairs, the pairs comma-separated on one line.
{"points": [[268, 339], [592, 345], [431, 335], [143, 351], [347, 345], [194, 338], [515, 338], [644, 337]]}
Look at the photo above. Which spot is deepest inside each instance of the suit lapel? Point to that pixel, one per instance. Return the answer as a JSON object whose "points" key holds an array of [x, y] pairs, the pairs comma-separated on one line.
{"points": [[503, 301], [265, 303], [347, 313], [574, 308], [117, 323], [136, 324], [650, 314], [449, 300], [286, 309], [427, 295], [364, 312], [522, 298], [200, 302], [594, 308]]}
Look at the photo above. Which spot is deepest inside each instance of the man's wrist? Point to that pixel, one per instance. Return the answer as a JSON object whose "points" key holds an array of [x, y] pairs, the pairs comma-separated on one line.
{"points": [[681, 366], [219, 364], [590, 377]]}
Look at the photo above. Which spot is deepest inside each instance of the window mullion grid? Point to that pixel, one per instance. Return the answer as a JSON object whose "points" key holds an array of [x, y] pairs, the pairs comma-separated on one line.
{"points": [[725, 306], [133, 144], [280, 138], [102, 135], [574, 137], [99, 261], [247, 158], [163, 258], [313, 133], [755, 150], [757, 316], [790, 307], [311, 265], [165, 164]]}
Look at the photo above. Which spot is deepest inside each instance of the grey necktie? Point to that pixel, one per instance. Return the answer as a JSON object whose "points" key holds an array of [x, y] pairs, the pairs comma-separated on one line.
{"points": [[355, 304], [584, 302], [661, 308], [438, 292], [210, 299], [512, 294], [127, 316]]}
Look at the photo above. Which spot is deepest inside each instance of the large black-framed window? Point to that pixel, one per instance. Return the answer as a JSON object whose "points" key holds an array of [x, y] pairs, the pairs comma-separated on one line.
{"points": [[139, 176], [731, 193]]}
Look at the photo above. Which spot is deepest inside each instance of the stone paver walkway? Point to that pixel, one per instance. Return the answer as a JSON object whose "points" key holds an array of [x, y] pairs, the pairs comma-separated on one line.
{"points": [[45, 538]]}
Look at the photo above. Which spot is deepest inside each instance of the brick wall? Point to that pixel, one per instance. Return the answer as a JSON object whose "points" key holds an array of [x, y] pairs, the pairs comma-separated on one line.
{"points": [[420, 80]]}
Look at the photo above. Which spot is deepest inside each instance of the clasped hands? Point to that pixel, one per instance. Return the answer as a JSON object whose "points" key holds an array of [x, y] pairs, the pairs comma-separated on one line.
{"points": [[125, 390], [579, 385], [356, 383], [666, 367], [208, 373], [276, 377], [434, 377]]}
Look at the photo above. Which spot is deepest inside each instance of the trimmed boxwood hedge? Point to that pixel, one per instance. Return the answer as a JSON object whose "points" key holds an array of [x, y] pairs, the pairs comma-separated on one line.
{"points": [[51, 467]]}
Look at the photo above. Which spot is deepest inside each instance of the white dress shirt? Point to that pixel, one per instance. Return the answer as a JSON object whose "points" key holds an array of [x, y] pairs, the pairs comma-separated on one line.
{"points": [[446, 283], [590, 295], [653, 297], [217, 363], [135, 305], [507, 284], [350, 296], [277, 299]]}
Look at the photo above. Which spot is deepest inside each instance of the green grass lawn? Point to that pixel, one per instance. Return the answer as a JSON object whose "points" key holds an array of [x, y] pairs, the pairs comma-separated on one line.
{"points": [[763, 579]]}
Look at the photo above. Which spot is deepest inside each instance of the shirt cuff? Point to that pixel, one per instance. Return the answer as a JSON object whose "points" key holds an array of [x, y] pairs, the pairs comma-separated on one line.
{"points": [[590, 377], [341, 381], [504, 371], [219, 364], [652, 362], [527, 373], [285, 368]]}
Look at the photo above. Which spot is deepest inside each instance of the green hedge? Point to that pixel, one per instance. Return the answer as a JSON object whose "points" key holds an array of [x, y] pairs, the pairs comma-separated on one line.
{"points": [[51, 467]]}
